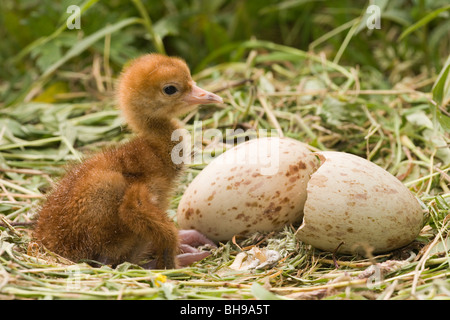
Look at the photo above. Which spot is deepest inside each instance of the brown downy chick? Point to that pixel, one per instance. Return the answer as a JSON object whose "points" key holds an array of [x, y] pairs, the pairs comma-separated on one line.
{"points": [[112, 207]]}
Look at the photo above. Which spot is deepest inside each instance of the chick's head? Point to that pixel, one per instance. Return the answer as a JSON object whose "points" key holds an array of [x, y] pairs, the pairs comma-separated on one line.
{"points": [[155, 86]]}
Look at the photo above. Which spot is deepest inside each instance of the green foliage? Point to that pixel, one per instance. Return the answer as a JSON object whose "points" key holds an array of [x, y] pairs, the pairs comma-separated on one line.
{"points": [[36, 41], [311, 68]]}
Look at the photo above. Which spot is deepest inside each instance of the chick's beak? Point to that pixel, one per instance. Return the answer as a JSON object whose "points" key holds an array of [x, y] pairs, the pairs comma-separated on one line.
{"points": [[201, 96]]}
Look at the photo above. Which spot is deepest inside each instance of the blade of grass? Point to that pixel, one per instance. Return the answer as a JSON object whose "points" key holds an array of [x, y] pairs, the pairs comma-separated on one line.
{"points": [[147, 22], [346, 41], [34, 143], [422, 22]]}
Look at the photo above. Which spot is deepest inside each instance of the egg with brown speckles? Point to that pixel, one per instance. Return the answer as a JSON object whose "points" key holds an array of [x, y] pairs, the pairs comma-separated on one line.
{"points": [[259, 185], [353, 205]]}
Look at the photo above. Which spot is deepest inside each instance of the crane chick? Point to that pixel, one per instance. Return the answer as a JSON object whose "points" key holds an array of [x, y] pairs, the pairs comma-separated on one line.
{"points": [[111, 208]]}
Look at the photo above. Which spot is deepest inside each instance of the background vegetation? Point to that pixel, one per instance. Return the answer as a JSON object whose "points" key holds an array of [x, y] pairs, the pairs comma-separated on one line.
{"points": [[309, 68]]}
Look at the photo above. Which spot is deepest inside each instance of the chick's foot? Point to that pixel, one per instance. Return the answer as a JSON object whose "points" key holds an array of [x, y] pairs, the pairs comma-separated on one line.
{"points": [[189, 240]]}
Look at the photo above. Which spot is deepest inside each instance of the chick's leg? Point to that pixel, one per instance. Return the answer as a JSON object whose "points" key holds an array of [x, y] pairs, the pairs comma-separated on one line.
{"points": [[149, 222]]}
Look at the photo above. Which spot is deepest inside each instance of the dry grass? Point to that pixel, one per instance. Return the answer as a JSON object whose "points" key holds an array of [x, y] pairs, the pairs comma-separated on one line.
{"points": [[304, 95]]}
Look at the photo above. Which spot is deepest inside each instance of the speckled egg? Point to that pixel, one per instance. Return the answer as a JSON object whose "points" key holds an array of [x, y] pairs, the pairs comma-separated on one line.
{"points": [[353, 205], [259, 185]]}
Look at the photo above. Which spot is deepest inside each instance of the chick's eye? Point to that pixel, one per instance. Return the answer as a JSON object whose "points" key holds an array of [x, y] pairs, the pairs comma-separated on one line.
{"points": [[170, 90]]}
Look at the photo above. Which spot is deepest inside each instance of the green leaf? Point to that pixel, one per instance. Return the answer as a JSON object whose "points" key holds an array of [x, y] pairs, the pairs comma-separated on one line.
{"points": [[441, 86], [260, 293], [441, 247], [440, 91], [443, 120], [420, 119], [167, 26]]}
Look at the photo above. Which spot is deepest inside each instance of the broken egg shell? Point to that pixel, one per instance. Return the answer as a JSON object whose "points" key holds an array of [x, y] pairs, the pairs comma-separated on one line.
{"points": [[259, 185], [255, 258], [353, 205]]}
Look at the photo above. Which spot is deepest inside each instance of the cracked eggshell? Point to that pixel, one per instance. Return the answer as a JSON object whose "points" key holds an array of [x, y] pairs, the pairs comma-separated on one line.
{"points": [[353, 205], [259, 185]]}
